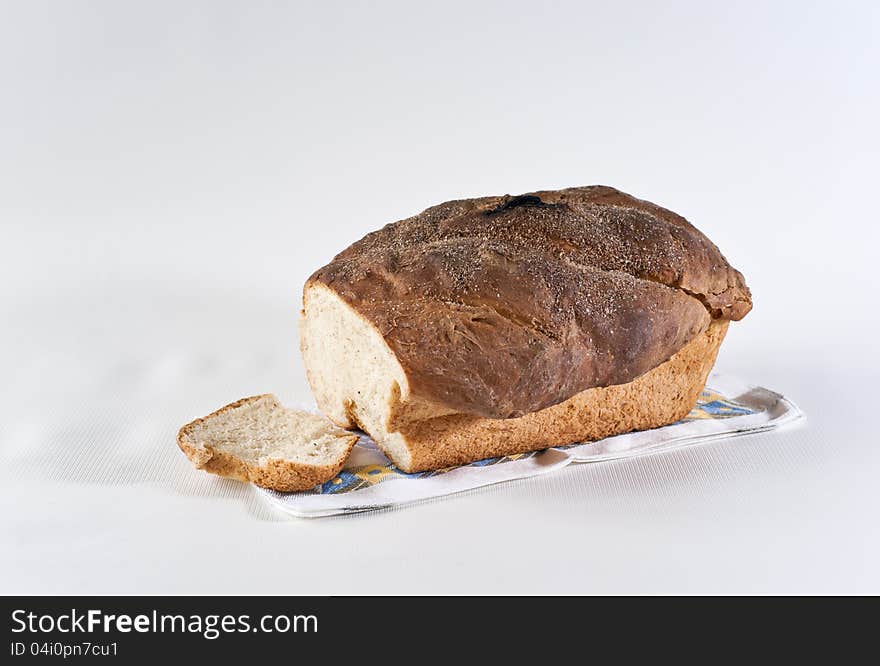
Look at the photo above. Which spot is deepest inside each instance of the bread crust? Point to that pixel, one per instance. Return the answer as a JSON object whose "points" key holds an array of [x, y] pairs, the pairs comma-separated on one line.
{"points": [[661, 396], [500, 307], [276, 474]]}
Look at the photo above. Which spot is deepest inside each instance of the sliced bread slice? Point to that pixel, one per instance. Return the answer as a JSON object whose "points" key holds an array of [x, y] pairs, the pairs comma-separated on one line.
{"points": [[259, 440]]}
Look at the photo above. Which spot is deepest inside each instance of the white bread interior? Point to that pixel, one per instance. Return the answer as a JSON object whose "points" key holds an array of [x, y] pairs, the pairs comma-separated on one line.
{"points": [[259, 440], [355, 377]]}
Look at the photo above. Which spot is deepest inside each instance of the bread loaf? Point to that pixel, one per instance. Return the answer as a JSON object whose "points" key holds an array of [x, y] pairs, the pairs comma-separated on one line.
{"points": [[497, 325]]}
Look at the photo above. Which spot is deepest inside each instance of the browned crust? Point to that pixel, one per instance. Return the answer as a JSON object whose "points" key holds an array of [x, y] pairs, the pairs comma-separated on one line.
{"points": [[280, 475], [504, 306], [661, 396]]}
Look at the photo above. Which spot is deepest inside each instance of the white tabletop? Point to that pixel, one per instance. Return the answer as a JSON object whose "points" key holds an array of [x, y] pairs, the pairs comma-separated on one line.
{"points": [[166, 186]]}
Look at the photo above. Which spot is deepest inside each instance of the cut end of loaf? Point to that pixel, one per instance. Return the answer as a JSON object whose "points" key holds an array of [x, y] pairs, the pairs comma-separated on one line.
{"points": [[355, 378], [258, 440]]}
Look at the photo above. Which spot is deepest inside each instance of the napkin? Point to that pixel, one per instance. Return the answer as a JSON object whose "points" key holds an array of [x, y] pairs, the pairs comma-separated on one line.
{"points": [[727, 407]]}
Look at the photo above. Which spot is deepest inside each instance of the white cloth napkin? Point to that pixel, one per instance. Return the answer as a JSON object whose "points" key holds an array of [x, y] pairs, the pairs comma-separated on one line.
{"points": [[726, 408]]}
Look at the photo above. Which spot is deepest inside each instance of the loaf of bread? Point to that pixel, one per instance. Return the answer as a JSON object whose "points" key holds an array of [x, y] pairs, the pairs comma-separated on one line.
{"points": [[498, 325]]}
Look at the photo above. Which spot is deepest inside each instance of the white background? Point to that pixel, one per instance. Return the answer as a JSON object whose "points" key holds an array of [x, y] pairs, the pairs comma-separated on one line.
{"points": [[170, 173]]}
